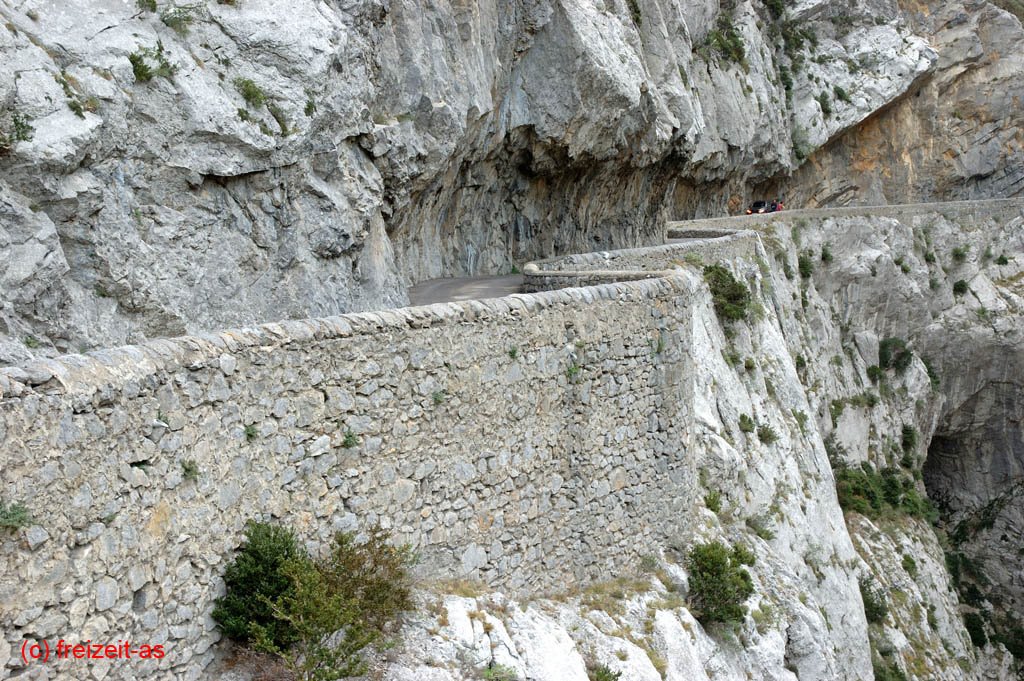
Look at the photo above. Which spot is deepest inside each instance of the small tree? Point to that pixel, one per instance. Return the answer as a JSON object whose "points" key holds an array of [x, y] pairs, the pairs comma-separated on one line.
{"points": [[730, 296], [875, 607], [254, 581], [893, 353], [719, 584], [318, 615]]}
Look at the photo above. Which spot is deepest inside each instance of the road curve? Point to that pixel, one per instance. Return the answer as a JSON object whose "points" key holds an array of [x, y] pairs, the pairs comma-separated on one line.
{"points": [[464, 288], [477, 288]]}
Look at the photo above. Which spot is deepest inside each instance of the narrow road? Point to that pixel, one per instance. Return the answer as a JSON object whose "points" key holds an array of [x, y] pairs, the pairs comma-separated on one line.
{"points": [[464, 288], [455, 289]]}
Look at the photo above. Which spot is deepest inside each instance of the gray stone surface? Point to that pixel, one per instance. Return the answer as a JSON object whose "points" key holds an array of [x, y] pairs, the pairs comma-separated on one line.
{"points": [[545, 472], [957, 133], [398, 142]]}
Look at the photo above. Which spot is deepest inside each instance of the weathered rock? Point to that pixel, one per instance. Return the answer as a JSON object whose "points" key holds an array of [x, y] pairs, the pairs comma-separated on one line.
{"points": [[385, 144]]}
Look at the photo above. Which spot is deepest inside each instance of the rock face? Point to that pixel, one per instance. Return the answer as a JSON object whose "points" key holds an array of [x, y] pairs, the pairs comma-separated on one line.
{"points": [[956, 135], [218, 164], [574, 443]]}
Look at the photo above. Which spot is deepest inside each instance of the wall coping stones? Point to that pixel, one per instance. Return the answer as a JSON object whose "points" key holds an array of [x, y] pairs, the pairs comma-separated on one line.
{"points": [[84, 376], [947, 208]]}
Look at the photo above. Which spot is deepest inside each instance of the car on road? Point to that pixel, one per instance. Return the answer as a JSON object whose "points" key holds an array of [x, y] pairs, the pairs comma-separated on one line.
{"points": [[764, 207]]}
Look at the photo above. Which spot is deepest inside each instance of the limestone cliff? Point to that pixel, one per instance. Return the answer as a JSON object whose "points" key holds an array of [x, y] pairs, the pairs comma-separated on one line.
{"points": [[957, 135], [175, 168]]}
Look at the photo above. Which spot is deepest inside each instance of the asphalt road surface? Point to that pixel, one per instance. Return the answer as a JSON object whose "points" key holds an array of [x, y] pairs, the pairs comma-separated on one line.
{"points": [[464, 288]]}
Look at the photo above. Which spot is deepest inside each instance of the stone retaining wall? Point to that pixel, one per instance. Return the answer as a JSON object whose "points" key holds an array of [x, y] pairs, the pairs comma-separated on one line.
{"points": [[956, 211], [531, 442], [588, 269]]}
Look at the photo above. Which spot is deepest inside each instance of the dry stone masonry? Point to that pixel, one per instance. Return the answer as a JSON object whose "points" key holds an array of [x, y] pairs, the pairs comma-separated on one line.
{"points": [[530, 442], [533, 442]]}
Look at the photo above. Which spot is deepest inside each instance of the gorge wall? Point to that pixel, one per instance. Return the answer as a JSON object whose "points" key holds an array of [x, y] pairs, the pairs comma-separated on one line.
{"points": [[540, 441], [465, 429], [262, 163]]}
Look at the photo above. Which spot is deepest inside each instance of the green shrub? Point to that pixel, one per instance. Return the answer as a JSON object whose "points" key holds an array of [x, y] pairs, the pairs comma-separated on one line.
{"points": [[893, 353], [835, 410], [350, 439], [727, 40], [601, 672], [749, 364], [730, 296], [875, 607], [146, 5], [759, 526], [801, 420], [875, 373], [786, 79], [634, 12], [826, 254], [141, 63], [359, 590], [251, 432], [318, 615], [282, 119], [794, 35], [719, 584], [713, 500], [959, 287], [908, 460], [860, 490], [805, 265], [841, 94], [76, 108], [21, 131], [499, 672], [887, 671], [1002, 259], [975, 625], [180, 18], [1011, 634], [310, 108], [960, 253], [251, 92], [747, 424], [776, 7], [14, 516], [254, 581], [908, 438], [802, 147], [910, 565], [767, 434], [743, 555], [824, 103], [863, 400], [873, 494], [190, 470]]}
